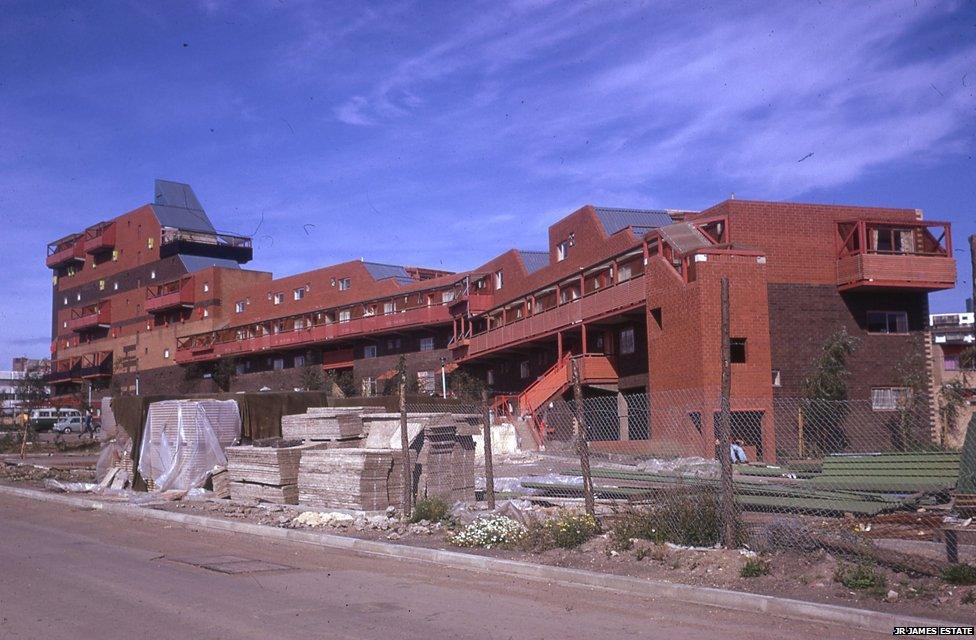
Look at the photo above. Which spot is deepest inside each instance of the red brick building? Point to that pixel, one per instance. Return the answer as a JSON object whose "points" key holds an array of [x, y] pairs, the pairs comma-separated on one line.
{"points": [[632, 295]]}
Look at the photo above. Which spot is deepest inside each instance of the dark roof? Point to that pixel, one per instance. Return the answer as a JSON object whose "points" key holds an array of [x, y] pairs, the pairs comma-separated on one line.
{"points": [[196, 263], [614, 220], [534, 260], [175, 205], [384, 271]]}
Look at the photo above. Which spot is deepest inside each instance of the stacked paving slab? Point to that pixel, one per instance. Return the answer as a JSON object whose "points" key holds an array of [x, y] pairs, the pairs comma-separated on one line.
{"points": [[355, 479], [266, 471]]}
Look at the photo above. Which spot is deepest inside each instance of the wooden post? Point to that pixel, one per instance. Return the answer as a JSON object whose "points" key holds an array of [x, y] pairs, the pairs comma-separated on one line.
{"points": [[583, 338], [582, 448], [724, 439], [407, 498], [489, 468]]}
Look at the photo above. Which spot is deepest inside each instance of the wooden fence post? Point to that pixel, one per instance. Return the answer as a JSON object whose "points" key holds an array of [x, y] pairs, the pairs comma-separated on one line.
{"points": [[582, 448], [489, 465], [724, 438], [407, 497]]}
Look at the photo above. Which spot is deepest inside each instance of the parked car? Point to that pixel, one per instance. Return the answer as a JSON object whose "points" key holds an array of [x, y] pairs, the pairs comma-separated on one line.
{"points": [[46, 417], [73, 424]]}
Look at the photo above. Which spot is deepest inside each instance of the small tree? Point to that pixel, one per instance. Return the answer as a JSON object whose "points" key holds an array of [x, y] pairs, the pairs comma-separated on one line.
{"points": [[952, 399], [825, 404], [312, 378], [224, 372], [911, 407], [465, 386], [341, 382]]}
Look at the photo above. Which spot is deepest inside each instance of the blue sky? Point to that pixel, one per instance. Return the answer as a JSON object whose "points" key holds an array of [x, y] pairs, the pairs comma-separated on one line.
{"points": [[444, 133]]}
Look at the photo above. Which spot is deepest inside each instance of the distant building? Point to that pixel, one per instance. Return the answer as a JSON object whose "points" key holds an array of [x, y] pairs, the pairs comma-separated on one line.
{"points": [[10, 380], [31, 365], [953, 336]]}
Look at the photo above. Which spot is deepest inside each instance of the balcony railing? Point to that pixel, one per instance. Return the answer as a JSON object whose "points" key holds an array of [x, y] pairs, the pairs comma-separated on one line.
{"points": [[100, 238], [64, 252], [227, 343], [92, 317], [592, 306], [904, 255], [171, 295], [202, 243]]}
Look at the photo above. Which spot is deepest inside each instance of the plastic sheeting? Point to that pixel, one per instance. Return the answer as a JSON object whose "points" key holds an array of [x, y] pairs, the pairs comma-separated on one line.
{"points": [[184, 440]]}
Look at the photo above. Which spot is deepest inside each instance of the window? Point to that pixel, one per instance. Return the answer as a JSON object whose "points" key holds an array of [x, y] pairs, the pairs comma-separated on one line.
{"points": [[66, 299], [737, 350], [239, 368], [115, 255], [696, 419], [388, 308], [499, 281], [239, 306], [369, 351], [562, 249], [206, 313], [657, 317], [777, 378], [345, 315], [426, 382], [299, 361], [152, 275], [166, 353], [344, 284], [299, 323], [279, 298], [299, 293], [624, 273], [490, 376], [115, 286], [426, 344], [524, 369], [447, 296], [78, 296], [150, 242], [101, 285], [627, 341], [393, 344], [887, 322], [890, 398], [278, 364]]}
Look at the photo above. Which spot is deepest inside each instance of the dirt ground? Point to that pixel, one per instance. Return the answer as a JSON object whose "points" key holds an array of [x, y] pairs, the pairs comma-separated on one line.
{"points": [[792, 574]]}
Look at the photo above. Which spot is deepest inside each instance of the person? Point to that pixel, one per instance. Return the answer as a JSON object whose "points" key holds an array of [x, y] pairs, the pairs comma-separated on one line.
{"points": [[738, 452]]}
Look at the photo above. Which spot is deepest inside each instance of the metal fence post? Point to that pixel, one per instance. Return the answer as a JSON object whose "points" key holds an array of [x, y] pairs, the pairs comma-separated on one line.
{"points": [[406, 499], [724, 439], [489, 465], [582, 448]]}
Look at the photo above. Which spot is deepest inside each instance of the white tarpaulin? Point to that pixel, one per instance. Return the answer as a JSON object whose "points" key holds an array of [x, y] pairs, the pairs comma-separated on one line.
{"points": [[185, 439]]}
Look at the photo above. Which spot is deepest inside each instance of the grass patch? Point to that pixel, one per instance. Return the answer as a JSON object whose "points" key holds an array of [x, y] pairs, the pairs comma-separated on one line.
{"points": [[689, 517], [567, 531], [755, 567], [861, 577], [430, 509], [959, 574]]}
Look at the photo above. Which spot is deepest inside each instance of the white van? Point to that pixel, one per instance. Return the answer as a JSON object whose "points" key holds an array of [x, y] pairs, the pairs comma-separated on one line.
{"points": [[45, 418]]}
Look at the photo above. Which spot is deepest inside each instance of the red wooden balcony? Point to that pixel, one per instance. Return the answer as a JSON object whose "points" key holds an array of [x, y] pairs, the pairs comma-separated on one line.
{"points": [[229, 343], [178, 294], [64, 252], [65, 370], [593, 306], [896, 255], [91, 317], [100, 238], [96, 365]]}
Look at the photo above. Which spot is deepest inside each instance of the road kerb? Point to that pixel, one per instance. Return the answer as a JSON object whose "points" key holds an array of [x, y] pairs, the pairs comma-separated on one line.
{"points": [[877, 621]]}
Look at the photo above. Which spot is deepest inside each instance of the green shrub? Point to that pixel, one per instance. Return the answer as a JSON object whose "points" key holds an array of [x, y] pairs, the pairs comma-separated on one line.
{"points": [[959, 574], [685, 517], [566, 531], [861, 577], [755, 567], [429, 509]]}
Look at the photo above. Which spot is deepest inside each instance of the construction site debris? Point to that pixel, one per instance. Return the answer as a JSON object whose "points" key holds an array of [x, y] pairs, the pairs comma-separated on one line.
{"points": [[358, 479]]}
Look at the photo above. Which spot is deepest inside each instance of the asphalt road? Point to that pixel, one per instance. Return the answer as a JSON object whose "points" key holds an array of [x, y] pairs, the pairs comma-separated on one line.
{"points": [[70, 573]]}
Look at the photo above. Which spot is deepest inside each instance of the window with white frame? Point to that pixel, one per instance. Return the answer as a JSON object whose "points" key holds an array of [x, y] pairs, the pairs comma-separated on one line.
{"points": [[206, 287], [499, 280], [345, 315], [298, 293], [278, 364], [279, 298], [369, 351], [627, 341], [426, 344], [388, 307], [166, 353], [562, 250], [524, 369], [239, 306], [887, 322], [299, 323], [890, 398], [624, 273], [344, 284], [447, 296]]}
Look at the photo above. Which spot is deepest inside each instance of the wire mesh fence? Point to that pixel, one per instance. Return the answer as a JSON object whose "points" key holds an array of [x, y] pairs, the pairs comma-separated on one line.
{"points": [[866, 479]]}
